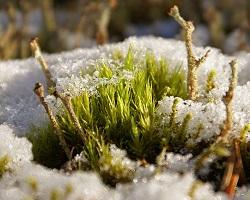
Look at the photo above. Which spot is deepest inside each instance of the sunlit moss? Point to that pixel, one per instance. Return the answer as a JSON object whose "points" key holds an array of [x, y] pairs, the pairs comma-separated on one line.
{"points": [[210, 81], [120, 113], [33, 184]]}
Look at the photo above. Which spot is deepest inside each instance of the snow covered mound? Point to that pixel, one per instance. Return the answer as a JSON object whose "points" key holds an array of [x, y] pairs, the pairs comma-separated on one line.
{"points": [[20, 108]]}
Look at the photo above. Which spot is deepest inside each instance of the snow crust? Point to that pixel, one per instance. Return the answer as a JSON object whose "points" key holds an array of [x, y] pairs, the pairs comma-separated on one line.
{"points": [[19, 108]]}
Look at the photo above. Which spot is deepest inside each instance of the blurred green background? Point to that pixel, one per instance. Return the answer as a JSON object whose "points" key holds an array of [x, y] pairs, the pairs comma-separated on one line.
{"points": [[67, 24]]}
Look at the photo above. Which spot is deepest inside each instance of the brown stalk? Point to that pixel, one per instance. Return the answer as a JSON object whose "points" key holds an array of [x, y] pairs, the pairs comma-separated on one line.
{"points": [[228, 100], [35, 48], [234, 171], [193, 63], [39, 90], [66, 99]]}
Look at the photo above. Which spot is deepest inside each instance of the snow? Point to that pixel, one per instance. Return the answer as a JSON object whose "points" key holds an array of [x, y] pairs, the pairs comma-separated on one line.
{"points": [[19, 108]]}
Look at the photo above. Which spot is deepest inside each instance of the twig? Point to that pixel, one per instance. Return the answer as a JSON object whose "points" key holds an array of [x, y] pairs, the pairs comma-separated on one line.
{"points": [[66, 99], [34, 46], [234, 171], [228, 100], [39, 90], [193, 63]]}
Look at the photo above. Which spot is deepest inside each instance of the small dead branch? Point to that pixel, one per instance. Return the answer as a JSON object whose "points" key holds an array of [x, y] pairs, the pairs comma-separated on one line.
{"points": [[39, 90], [228, 100], [35, 48], [234, 171], [66, 99], [193, 63]]}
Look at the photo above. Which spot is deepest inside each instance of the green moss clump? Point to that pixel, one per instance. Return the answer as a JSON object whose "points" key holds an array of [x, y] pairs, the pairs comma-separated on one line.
{"points": [[119, 112]]}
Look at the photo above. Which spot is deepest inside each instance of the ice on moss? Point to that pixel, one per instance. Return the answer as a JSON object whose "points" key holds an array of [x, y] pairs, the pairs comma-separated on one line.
{"points": [[178, 163], [120, 156], [205, 114]]}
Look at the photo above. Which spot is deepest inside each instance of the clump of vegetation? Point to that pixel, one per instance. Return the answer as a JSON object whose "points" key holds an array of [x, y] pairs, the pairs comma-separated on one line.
{"points": [[121, 113], [120, 116]]}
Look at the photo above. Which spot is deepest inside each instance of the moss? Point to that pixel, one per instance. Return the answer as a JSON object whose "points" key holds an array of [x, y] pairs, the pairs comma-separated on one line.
{"points": [[4, 161], [58, 194], [33, 184], [210, 81], [120, 112], [114, 167]]}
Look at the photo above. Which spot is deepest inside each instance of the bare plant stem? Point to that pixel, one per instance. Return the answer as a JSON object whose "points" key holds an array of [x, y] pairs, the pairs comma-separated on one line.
{"points": [[228, 100], [193, 63], [66, 99], [39, 90], [34, 46], [234, 171]]}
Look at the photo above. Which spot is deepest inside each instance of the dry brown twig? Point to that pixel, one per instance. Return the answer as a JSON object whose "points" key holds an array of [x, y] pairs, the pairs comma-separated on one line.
{"points": [[39, 90], [193, 63], [35, 48], [66, 99], [234, 171], [228, 100]]}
